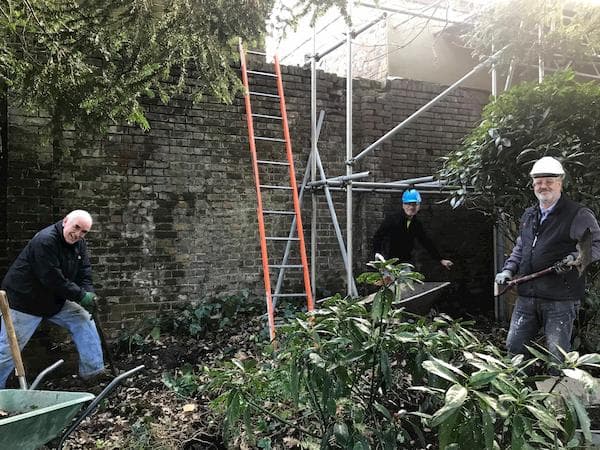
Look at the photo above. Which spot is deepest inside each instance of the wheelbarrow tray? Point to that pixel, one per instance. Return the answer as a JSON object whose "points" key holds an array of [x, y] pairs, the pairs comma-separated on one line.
{"points": [[37, 417], [419, 297]]}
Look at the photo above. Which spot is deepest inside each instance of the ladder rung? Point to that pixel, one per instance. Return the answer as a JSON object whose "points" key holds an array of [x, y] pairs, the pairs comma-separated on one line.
{"points": [[266, 116], [283, 213], [263, 94], [254, 52], [264, 138], [286, 266], [279, 238], [270, 186], [272, 163], [264, 74], [299, 294]]}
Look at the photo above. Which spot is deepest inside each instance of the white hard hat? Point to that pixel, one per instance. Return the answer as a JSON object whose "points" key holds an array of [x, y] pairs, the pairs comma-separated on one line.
{"points": [[547, 167]]}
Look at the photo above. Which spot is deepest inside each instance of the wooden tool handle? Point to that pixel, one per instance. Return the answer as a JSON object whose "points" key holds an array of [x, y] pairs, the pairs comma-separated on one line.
{"points": [[12, 337]]}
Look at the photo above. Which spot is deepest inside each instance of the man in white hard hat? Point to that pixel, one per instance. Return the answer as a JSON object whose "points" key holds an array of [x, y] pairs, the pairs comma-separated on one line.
{"points": [[549, 233]]}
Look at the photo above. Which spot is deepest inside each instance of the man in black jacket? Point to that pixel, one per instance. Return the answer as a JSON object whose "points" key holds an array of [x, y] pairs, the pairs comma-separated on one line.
{"points": [[396, 236], [548, 233], [52, 279]]}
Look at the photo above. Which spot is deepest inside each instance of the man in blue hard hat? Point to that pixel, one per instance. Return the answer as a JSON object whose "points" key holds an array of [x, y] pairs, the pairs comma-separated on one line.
{"points": [[395, 237]]}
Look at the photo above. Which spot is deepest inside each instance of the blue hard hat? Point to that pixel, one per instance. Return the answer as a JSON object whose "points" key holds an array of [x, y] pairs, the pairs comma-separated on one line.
{"points": [[411, 196]]}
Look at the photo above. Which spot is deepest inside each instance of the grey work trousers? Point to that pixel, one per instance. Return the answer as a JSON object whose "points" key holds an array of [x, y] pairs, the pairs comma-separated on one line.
{"points": [[555, 317]]}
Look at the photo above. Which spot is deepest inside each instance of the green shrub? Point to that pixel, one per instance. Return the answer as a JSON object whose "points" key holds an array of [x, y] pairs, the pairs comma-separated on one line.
{"points": [[194, 319], [361, 374]]}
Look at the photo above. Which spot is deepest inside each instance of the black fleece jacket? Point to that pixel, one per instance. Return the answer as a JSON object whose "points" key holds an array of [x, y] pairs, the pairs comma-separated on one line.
{"points": [[48, 272], [394, 239]]}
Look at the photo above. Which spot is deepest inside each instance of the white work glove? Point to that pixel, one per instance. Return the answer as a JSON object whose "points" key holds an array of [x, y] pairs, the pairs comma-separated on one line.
{"points": [[446, 263], [503, 277], [566, 264]]}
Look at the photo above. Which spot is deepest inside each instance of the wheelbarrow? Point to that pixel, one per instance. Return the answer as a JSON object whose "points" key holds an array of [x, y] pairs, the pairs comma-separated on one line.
{"points": [[38, 417], [419, 298]]}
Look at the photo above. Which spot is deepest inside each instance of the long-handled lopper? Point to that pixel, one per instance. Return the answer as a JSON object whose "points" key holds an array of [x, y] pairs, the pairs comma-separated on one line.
{"points": [[584, 258]]}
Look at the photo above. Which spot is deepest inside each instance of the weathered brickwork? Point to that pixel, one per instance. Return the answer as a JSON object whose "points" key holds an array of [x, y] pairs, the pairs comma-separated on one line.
{"points": [[174, 208], [3, 174]]}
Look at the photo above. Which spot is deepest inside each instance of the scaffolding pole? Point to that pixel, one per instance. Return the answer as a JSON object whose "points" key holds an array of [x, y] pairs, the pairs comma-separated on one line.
{"points": [[540, 58], [413, 13], [417, 180], [353, 33], [333, 214], [349, 151], [385, 191], [313, 172], [494, 76], [288, 245], [374, 185], [424, 108], [337, 181], [350, 186], [495, 236]]}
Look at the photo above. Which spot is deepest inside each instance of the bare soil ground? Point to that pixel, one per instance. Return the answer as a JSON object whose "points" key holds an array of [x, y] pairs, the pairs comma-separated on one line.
{"points": [[145, 414]]}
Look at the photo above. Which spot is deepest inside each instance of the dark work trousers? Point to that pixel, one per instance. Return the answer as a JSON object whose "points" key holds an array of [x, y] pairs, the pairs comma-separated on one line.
{"points": [[554, 317]]}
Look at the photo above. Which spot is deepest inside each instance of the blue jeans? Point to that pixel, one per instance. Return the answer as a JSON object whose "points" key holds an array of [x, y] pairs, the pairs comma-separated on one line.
{"points": [[554, 317], [74, 318]]}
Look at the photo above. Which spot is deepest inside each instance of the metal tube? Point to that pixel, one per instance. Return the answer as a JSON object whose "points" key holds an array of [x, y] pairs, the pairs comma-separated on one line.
{"points": [[288, 244], [349, 237], [336, 225], [496, 270], [318, 56], [341, 179], [354, 176], [411, 13], [376, 185], [92, 406], [383, 191], [500, 249], [494, 76], [509, 76], [43, 374], [294, 188], [313, 171], [415, 180], [540, 59], [424, 108]]}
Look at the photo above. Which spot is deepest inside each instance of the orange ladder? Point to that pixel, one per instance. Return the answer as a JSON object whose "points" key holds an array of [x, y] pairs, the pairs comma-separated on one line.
{"points": [[266, 121]]}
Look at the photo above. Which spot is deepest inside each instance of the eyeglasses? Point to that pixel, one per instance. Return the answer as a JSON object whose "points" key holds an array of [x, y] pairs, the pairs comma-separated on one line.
{"points": [[412, 204], [547, 181]]}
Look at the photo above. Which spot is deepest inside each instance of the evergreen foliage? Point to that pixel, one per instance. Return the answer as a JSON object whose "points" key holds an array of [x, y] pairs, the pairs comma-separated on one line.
{"points": [[569, 31], [89, 62], [559, 117]]}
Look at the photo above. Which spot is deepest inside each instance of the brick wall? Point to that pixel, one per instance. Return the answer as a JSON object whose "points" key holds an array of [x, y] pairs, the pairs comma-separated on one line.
{"points": [[3, 172], [174, 208]]}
